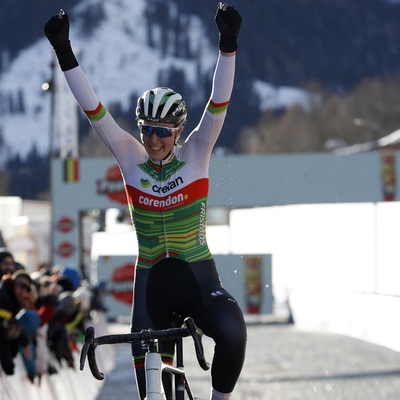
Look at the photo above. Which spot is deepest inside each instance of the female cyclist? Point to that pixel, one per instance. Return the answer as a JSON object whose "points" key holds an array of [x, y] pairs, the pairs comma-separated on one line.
{"points": [[167, 188]]}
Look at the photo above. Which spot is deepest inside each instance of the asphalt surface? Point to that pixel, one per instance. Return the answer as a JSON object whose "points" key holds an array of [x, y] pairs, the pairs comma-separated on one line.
{"points": [[285, 363]]}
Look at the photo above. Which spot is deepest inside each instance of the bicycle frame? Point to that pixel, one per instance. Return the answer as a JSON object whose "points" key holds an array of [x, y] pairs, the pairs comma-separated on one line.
{"points": [[154, 366]]}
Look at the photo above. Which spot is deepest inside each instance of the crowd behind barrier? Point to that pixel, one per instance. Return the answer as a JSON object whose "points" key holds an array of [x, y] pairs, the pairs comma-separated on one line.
{"points": [[43, 318]]}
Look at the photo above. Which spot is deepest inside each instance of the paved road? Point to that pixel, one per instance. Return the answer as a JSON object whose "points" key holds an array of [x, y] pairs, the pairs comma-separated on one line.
{"points": [[284, 363]]}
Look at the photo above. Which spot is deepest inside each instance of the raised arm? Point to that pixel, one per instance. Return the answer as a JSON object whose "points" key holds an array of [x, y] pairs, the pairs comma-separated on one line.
{"points": [[228, 22], [115, 138], [204, 136]]}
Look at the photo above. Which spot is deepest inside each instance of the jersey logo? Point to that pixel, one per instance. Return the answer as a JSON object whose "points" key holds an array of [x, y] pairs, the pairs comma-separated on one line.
{"points": [[171, 185], [201, 234], [167, 202], [145, 182], [217, 293]]}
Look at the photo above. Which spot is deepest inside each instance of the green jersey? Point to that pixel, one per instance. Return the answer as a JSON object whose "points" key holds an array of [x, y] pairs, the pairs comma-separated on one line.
{"points": [[167, 199]]}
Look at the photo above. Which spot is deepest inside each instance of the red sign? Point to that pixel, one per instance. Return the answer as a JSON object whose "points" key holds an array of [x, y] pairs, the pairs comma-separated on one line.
{"points": [[121, 285], [65, 224], [112, 185], [65, 249]]}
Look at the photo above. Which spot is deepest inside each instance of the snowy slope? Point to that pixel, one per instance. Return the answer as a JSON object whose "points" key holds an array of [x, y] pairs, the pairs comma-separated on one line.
{"points": [[119, 63]]}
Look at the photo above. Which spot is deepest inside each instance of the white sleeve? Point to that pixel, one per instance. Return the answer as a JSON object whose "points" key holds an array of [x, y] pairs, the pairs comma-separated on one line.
{"points": [[224, 76], [122, 144], [203, 138], [81, 89]]}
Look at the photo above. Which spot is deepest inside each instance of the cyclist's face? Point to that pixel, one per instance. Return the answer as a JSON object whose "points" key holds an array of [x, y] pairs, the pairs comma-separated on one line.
{"points": [[157, 147]]}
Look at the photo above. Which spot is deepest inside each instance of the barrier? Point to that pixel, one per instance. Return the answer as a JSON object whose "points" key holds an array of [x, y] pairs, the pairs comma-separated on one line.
{"points": [[67, 383], [365, 316]]}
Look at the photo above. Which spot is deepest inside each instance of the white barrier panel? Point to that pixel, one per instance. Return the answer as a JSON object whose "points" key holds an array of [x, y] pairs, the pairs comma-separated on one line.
{"points": [[67, 383], [366, 316]]}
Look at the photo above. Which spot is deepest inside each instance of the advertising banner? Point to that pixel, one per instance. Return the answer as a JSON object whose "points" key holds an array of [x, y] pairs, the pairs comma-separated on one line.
{"points": [[253, 282], [388, 175]]}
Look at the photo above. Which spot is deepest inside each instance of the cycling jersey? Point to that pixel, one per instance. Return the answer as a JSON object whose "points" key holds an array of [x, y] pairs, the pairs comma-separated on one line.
{"points": [[167, 199]]}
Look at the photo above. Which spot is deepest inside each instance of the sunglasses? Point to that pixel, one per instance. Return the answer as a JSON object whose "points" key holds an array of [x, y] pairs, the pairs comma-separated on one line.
{"points": [[160, 131]]}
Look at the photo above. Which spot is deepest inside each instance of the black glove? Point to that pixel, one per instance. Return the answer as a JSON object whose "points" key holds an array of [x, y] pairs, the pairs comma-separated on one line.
{"points": [[229, 22], [57, 29], [57, 32]]}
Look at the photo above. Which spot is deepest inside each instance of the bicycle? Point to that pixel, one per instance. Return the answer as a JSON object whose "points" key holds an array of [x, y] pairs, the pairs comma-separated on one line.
{"points": [[154, 366]]}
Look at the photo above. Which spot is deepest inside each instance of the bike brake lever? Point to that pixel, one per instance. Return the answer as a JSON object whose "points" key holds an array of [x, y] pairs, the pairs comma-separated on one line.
{"points": [[198, 345]]}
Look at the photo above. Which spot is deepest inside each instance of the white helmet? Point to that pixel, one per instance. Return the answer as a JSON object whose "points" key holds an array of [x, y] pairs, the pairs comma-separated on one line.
{"points": [[161, 104]]}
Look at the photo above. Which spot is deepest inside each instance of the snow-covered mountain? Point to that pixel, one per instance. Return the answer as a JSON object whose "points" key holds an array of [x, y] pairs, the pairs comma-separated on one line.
{"points": [[127, 47], [122, 56], [115, 57]]}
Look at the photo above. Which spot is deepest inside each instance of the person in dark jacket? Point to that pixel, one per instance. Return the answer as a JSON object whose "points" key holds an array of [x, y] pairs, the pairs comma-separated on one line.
{"points": [[15, 295]]}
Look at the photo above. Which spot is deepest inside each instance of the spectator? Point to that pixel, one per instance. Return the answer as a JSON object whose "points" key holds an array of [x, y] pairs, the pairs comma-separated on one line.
{"points": [[72, 274], [67, 278], [15, 294], [58, 337], [7, 264], [30, 321], [46, 304]]}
